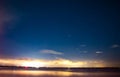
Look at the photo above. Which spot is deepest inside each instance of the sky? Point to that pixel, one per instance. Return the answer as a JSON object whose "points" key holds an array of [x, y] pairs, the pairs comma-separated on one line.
{"points": [[57, 30]]}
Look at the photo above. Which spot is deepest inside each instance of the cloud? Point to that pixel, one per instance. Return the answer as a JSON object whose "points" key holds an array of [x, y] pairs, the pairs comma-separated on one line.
{"points": [[51, 52], [98, 52], [115, 46]]}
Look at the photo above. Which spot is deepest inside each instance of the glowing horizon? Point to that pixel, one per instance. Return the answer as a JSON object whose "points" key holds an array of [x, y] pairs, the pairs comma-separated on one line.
{"points": [[51, 63]]}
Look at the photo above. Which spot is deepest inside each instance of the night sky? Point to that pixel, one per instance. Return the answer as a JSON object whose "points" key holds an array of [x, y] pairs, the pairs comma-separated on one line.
{"points": [[70, 29]]}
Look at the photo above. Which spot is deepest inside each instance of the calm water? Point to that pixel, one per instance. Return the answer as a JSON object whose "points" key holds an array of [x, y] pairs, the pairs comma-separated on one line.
{"points": [[24, 73]]}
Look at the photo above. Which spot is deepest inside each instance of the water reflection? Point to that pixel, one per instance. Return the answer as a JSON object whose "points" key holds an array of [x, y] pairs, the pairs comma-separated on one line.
{"points": [[38, 73], [28, 73]]}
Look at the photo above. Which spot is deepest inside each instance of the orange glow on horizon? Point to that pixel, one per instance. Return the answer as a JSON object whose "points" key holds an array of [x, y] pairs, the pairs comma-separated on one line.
{"points": [[51, 63], [35, 64]]}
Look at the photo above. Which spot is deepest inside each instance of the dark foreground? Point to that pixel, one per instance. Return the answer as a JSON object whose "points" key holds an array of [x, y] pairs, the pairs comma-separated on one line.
{"points": [[12, 71], [107, 69]]}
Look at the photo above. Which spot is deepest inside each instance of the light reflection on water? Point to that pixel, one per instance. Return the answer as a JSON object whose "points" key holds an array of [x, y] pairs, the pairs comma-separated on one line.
{"points": [[28, 73]]}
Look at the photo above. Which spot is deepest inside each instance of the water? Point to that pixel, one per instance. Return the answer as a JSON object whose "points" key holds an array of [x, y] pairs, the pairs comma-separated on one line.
{"points": [[30, 73]]}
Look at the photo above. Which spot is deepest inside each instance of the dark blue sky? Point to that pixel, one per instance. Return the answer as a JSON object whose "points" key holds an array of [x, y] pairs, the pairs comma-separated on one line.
{"points": [[79, 29]]}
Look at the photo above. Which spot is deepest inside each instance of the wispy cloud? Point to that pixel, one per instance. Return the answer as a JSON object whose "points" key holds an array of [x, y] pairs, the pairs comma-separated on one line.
{"points": [[51, 52], [98, 52], [115, 46]]}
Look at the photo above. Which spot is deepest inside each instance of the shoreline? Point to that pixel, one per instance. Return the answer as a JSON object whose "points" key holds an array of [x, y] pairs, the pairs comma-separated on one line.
{"points": [[77, 69]]}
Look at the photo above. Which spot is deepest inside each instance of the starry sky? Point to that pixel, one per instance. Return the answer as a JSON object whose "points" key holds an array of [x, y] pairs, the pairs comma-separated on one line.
{"points": [[70, 29]]}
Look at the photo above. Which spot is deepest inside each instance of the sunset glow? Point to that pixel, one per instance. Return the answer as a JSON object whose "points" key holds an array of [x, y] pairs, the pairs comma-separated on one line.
{"points": [[40, 34], [51, 63], [35, 64]]}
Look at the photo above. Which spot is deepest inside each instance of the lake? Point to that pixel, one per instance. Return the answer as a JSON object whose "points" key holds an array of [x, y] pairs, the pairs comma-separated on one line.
{"points": [[33, 73]]}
